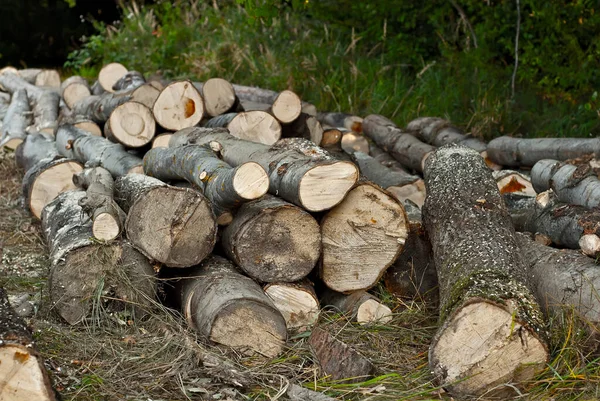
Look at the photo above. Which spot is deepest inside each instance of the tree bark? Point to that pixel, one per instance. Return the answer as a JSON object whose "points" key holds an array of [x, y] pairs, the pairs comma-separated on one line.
{"points": [[258, 95], [439, 132], [130, 124], [23, 376], [171, 225], [73, 89], [297, 302], [225, 187], [179, 105], [230, 308], [508, 151], [362, 237], [129, 81], [11, 83], [341, 120], [314, 184], [304, 126], [119, 275], [254, 126], [99, 107], [34, 148], [483, 301], [289, 245], [16, 121], [110, 74], [45, 112], [385, 158], [361, 306]]}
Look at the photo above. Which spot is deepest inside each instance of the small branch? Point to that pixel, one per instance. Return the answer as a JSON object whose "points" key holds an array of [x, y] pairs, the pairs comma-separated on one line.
{"points": [[463, 16], [514, 75]]}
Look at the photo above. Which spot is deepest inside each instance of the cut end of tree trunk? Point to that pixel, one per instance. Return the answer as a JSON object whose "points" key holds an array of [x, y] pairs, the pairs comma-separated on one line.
{"points": [[513, 182], [75, 92], [482, 347], [110, 74], [219, 96], [49, 78], [255, 126], [325, 186], [146, 95], [178, 106], [287, 107], [106, 227], [297, 303], [50, 182], [21, 375], [13, 143], [590, 244], [89, 126], [414, 192], [131, 124], [161, 141], [251, 181], [352, 142], [372, 311], [331, 137]]}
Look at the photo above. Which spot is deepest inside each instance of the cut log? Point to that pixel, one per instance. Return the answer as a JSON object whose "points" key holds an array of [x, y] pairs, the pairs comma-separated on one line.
{"points": [[219, 97], [287, 107], [362, 237], [361, 306], [34, 148], [482, 302], [341, 120], [17, 119], [98, 108], [171, 225], [129, 81], [297, 302], [110, 74], [29, 74], [314, 184], [255, 126], [48, 78], [509, 151], [230, 308], [130, 124], [73, 89], [74, 143], [304, 126], [45, 112], [338, 360], [405, 148], [577, 185], [510, 181], [384, 158], [83, 270], [353, 142], [12, 83], [266, 96], [89, 126], [332, 137], [161, 141], [224, 186], [23, 376], [179, 105], [290, 243], [145, 94], [439, 132], [97, 89], [98, 203]]}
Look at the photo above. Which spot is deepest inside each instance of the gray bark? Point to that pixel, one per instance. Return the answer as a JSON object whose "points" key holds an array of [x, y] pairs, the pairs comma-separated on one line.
{"points": [[12, 83], [98, 107], [439, 132], [130, 81], [71, 80], [341, 120], [34, 148], [45, 112], [17, 119], [380, 174], [350, 304], [305, 126], [385, 158]]}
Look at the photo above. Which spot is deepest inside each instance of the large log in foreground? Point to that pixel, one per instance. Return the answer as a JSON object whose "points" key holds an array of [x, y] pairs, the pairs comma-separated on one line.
{"points": [[315, 184], [482, 304], [23, 376]]}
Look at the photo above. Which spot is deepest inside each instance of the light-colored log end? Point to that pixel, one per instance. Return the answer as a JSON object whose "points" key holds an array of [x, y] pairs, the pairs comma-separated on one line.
{"points": [[50, 183], [106, 227], [590, 245], [414, 192], [109, 74], [74, 93], [352, 142], [21, 376], [224, 219], [89, 126], [251, 181], [372, 311], [132, 124], [48, 78], [161, 141], [178, 106], [287, 107], [256, 126], [219, 96], [331, 137], [136, 170], [146, 95], [513, 182], [325, 186], [12, 144], [298, 306]]}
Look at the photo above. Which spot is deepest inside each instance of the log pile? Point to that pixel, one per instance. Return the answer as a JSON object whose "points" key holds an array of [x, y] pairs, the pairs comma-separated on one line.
{"points": [[257, 212]]}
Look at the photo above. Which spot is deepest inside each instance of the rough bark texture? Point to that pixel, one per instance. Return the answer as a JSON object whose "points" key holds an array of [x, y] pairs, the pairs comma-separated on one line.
{"points": [[362, 237], [82, 269], [297, 302], [130, 81], [509, 151], [439, 132], [99, 107], [226, 187], [404, 147], [11, 83], [341, 120], [314, 183], [171, 225], [482, 303], [384, 157], [16, 121], [361, 306], [289, 245], [304, 126], [230, 308]]}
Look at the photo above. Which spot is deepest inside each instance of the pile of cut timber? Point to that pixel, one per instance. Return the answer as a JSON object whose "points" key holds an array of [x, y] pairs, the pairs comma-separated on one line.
{"points": [[256, 211]]}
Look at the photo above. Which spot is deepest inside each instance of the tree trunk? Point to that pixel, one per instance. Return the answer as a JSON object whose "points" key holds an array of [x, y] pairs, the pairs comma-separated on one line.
{"points": [[577, 185], [11, 83], [362, 237], [314, 184], [110, 74], [129, 81], [16, 121], [178, 106], [85, 147], [130, 124], [230, 308], [289, 245], [45, 112], [439, 132], [362, 307], [34, 148], [99, 107], [482, 303], [23, 376], [145, 94], [219, 97], [399, 183], [73, 89], [297, 302], [509, 151], [254, 126], [98, 203], [304, 126], [341, 120], [404, 147], [80, 122], [83, 270], [48, 78], [225, 187], [510, 181], [29, 74], [171, 225]]}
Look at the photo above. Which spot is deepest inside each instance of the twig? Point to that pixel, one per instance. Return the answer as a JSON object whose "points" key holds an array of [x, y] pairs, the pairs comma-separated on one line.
{"points": [[463, 16], [514, 75]]}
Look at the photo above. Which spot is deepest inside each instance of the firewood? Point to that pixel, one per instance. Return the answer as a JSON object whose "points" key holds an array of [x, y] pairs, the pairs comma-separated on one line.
{"points": [[73, 89], [98, 108], [577, 185], [161, 141], [48, 78], [385, 158], [11, 83], [97, 89], [110, 74], [331, 137], [400, 184], [171, 225], [130, 124], [290, 246], [483, 301], [266, 96], [509, 151], [405, 148], [82, 269], [354, 142], [510, 181], [231, 309], [297, 302], [28, 74], [81, 122], [129, 81], [145, 94], [98, 203], [304, 126], [225, 187], [362, 237], [314, 184], [219, 97], [361, 306], [17, 119], [341, 120], [338, 360], [23, 376], [45, 112], [179, 105], [439, 132], [80, 145], [255, 126], [287, 107]]}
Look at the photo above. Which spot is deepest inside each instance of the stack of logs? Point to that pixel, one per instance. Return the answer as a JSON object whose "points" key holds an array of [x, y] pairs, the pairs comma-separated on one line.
{"points": [[256, 211]]}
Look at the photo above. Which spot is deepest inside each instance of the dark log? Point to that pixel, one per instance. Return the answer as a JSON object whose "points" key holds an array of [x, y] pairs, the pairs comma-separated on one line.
{"points": [[304, 126], [16, 121], [179, 105], [73, 89], [130, 124], [110, 74], [289, 246], [254, 126], [361, 306], [332, 137], [341, 120], [483, 301], [129, 81], [297, 302], [23, 376], [384, 158], [171, 225]]}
